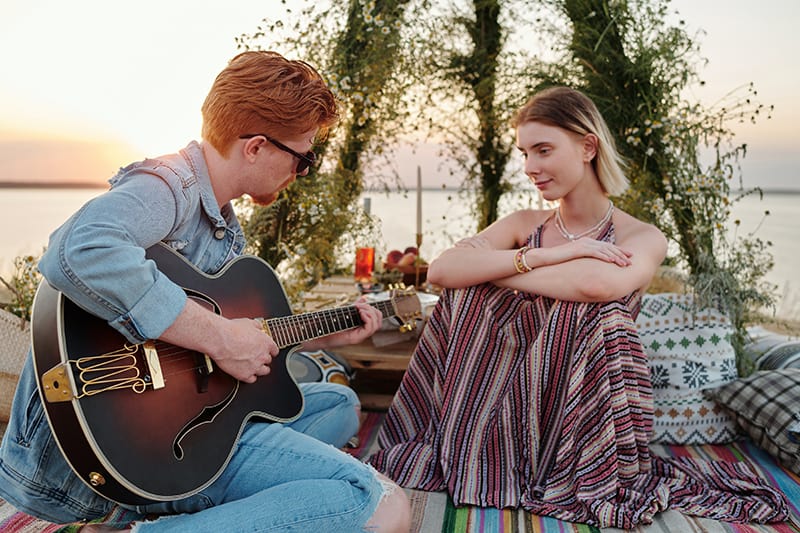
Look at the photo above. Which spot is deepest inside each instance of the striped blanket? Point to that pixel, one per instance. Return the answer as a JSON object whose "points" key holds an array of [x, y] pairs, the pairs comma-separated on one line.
{"points": [[434, 512]]}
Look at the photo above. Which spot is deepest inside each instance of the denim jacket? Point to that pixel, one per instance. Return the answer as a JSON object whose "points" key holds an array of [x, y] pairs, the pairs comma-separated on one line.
{"points": [[97, 259]]}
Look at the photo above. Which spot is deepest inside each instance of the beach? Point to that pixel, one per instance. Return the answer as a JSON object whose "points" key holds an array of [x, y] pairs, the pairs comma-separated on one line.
{"points": [[29, 215]]}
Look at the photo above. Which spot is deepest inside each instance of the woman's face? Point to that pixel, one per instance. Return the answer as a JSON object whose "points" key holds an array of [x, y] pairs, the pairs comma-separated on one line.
{"points": [[554, 158]]}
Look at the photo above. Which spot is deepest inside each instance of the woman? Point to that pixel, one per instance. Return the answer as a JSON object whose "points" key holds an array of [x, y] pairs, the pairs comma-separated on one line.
{"points": [[529, 387]]}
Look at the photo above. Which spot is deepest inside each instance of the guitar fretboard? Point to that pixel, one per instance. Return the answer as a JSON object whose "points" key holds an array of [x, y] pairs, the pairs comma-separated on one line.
{"points": [[295, 329]]}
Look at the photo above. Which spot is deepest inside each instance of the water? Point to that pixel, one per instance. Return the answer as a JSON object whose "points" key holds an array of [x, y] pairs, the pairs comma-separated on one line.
{"points": [[29, 215]]}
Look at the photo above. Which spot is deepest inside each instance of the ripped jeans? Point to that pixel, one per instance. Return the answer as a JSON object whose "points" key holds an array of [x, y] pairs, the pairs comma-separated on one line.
{"points": [[280, 479]]}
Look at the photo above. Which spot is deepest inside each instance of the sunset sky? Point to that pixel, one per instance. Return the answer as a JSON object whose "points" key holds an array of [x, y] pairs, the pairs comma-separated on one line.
{"points": [[89, 85]]}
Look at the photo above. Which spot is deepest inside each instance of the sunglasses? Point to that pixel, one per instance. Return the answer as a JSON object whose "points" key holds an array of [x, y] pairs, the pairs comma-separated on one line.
{"points": [[304, 161]]}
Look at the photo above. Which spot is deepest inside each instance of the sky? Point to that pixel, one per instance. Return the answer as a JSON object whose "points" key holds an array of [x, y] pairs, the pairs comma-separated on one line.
{"points": [[87, 86]]}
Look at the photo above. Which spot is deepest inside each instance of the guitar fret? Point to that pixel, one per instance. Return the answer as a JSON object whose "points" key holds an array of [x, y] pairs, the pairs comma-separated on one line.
{"points": [[332, 322], [297, 331], [287, 332], [277, 331], [384, 308], [294, 332]]}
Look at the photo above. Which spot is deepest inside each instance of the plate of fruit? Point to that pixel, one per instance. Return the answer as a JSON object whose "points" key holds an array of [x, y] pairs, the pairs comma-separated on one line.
{"points": [[408, 262]]}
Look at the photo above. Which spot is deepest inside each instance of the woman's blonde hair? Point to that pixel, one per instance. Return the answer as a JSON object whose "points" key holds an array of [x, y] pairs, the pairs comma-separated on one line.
{"points": [[263, 92], [571, 110]]}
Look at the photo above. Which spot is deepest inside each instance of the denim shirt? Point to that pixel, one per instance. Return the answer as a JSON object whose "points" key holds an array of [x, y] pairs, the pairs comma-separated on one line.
{"points": [[97, 259]]}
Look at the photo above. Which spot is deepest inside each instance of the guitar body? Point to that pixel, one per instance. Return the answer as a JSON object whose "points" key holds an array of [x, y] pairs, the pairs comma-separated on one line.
{"points": [[140, 444]]}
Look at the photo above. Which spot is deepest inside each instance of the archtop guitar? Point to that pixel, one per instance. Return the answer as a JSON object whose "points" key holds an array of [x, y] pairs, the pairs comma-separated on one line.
{"points": [[142, 423]]}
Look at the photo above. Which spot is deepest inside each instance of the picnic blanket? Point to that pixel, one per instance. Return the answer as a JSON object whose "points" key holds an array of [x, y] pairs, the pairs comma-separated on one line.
{"points": [[433, 512]]}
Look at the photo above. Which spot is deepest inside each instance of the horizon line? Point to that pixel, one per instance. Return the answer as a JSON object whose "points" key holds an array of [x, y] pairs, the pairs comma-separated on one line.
{"points": [[104, 185]]}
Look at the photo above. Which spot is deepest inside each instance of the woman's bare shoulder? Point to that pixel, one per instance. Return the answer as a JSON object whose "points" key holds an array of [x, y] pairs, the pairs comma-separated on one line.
{"points": [[513, 229], [528, 217], [525, 221]]}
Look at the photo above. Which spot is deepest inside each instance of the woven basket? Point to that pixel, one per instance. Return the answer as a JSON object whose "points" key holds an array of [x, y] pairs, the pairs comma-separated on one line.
{"points": [[14, 344]]}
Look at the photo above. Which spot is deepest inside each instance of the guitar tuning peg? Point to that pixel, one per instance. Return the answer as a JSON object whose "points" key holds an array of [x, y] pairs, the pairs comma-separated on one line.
{"points": [[406, 327]]}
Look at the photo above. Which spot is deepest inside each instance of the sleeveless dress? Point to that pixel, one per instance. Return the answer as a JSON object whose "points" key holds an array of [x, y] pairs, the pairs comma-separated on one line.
{"points": [[518, 400]]}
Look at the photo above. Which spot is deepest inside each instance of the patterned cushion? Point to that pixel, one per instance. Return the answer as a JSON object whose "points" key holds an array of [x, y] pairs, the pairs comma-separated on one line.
{"points": [[771, 350], [689, 350], [766, 405], [319, 366]]}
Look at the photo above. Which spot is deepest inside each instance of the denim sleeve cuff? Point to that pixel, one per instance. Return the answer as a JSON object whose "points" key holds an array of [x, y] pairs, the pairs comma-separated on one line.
{"points": [[153, 313]]}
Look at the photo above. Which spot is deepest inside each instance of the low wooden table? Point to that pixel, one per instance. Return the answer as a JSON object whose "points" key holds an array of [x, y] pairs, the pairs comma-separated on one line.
{"points": [[367, 356], [378, 370]]}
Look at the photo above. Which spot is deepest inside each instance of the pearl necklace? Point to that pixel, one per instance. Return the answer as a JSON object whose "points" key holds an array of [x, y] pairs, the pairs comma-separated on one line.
{"points": [[562, 229]]}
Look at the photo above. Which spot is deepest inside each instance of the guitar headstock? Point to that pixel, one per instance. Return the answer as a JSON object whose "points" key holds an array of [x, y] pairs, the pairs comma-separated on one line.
{"points": [[406, 305]]}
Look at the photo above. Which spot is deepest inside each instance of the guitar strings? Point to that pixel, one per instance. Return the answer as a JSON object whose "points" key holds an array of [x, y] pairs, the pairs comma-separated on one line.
{"points": [[287, 330]]}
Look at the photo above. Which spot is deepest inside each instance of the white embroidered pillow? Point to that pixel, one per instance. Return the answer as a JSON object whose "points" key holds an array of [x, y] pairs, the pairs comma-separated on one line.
{"points": [[689, 351]]}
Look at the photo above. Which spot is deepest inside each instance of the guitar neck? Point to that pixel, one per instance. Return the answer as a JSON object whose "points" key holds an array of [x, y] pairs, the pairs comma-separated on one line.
{"points": [[294, 329]]}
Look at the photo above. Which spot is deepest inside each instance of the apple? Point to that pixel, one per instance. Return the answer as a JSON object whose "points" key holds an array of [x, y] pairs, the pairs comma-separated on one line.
{"points": [[393, 257], [407, 259], [411, 250]]}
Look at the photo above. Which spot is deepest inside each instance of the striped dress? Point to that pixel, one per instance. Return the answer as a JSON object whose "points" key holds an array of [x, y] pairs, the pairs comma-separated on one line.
{"points": [[518, 400]]}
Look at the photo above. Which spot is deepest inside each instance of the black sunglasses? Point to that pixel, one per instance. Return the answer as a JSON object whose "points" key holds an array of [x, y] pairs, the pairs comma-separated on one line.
{"points": [[304, 161]]}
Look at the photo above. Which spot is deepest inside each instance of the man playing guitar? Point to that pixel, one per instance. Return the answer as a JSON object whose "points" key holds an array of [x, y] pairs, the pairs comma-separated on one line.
{"points": [[260, 119]]}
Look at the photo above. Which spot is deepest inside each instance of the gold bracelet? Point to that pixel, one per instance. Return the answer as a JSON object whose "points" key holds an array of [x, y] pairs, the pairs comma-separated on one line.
{"points": [[520, 262], [524, 257]]}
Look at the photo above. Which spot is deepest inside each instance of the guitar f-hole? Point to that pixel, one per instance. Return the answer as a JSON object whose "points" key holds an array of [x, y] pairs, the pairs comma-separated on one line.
{"points": [[206, 416]]}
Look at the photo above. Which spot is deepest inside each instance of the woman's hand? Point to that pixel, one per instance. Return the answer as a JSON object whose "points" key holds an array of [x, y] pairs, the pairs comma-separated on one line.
{"points": [[588, 247]]}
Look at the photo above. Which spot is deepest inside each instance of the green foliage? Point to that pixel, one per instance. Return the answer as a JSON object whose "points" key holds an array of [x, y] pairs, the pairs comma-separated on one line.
{"points": [[477, 71], [474, 80], [22, 285], [683, 162], [355, 45]]}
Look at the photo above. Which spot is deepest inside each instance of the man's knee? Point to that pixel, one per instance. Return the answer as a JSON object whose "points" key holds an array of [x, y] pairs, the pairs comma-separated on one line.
{"points": [[393, 514]]}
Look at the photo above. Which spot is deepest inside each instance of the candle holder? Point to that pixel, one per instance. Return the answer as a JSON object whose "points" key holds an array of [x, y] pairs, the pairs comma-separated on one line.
{"points": [[417, 262]]}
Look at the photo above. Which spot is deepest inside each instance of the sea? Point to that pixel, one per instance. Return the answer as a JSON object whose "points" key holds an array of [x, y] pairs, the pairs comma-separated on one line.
{"points": [[29, 215]]}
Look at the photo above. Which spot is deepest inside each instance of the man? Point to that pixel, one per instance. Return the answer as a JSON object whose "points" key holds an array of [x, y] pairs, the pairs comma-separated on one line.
{"points": [[260, 119]]}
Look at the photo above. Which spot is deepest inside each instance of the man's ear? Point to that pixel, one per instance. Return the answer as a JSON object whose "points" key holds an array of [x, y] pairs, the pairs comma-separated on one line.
{"points": [[590, 143], [251, 148]]}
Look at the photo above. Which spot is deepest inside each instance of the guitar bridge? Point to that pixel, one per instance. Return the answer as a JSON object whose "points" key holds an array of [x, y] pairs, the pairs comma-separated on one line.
{"points": [[153, 365], [57, 385]]}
